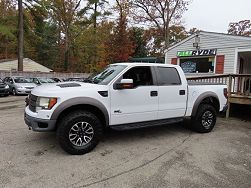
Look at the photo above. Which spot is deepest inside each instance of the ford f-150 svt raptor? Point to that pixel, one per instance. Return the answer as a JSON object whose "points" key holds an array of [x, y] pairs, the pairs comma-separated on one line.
{"points": [[123, 96]]}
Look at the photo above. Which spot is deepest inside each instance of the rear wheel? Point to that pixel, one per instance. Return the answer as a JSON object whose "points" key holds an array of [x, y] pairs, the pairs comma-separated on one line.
{"points": [[79, 132], [205, 119]]}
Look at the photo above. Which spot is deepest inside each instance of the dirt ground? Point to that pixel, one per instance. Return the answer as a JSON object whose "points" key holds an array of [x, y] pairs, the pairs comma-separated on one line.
{"points": [[167, 156]]}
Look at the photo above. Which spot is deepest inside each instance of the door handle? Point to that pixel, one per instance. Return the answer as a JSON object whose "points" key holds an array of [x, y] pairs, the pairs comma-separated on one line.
{"points": [[154, 93], [182, 92]]}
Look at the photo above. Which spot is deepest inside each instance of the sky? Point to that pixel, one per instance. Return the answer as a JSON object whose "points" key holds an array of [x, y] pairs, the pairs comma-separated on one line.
{"points": [[215, 15]]}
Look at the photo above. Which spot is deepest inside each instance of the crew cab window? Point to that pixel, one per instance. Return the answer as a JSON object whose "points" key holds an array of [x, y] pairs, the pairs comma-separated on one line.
{"points": [[168, 76], [141, 76]]}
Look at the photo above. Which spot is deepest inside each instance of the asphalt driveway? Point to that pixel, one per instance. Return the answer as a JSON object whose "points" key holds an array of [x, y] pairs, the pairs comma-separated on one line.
{"points": [[167, 156]]}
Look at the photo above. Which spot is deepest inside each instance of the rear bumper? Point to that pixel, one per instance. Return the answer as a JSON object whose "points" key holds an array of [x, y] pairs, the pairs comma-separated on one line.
{"points": [[40, 125]]}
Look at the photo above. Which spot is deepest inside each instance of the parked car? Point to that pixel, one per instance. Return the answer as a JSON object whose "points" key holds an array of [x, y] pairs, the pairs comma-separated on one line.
{"points": [[124, 96], [19, 85], [40, 81], [76, 79], [57, 79], [4, 88]]}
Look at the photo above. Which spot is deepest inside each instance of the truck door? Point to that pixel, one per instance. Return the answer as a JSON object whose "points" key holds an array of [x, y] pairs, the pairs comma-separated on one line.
{"points": [[138, 104], [172, 93]]}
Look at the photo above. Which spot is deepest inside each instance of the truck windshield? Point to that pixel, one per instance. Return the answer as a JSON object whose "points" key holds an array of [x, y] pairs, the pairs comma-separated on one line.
{"points": [[107, 75]]}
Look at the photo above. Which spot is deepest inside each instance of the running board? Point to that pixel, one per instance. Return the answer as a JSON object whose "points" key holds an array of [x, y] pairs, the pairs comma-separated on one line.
{"points": [[144, 124]]}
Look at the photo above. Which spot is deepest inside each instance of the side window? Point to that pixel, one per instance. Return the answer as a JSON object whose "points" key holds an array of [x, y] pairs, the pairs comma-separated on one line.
{"points": [[142, 76], [168, 76]]}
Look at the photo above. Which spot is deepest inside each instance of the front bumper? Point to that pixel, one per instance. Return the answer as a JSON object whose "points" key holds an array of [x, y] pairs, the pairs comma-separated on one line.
{"points": [[40, 125], [23, 91]]}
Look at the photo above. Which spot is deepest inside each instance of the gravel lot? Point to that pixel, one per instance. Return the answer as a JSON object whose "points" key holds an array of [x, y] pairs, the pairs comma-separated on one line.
{"points": [[168, 156]]}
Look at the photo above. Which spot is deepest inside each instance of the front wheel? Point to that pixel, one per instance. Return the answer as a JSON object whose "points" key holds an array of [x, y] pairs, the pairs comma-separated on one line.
{"points": [[205, 119], [14, 92], [79, 132]]}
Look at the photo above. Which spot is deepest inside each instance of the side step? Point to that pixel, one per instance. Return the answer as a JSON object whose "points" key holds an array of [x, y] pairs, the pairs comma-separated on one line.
{"points": [[144, 124]]}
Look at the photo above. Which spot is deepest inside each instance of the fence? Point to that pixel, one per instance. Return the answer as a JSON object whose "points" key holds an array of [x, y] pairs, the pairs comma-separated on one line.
{"points": [[239, 87], [4, 74], [240, 83]]}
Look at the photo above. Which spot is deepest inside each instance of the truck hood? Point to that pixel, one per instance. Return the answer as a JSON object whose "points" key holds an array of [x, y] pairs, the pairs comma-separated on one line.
{"points": [[66, 89]]}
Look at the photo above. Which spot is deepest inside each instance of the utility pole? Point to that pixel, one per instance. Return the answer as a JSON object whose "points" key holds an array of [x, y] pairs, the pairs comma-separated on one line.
{"points": [[20, 35]]}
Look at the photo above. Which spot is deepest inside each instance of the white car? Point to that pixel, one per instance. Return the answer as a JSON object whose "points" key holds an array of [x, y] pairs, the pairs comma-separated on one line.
{"points": [[123, 96], [19, 85]]}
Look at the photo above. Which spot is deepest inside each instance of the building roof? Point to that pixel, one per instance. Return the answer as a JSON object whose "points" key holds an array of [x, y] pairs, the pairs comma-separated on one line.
{"points": [[29, 66], [227, 36]]}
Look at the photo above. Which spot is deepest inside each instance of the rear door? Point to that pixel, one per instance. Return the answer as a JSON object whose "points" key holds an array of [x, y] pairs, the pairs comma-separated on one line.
{"points": [[172, 93], [138, 104]]}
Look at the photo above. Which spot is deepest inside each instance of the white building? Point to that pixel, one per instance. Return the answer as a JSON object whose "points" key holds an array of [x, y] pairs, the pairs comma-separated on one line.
{"points": [[212, 53], [29, 66]]}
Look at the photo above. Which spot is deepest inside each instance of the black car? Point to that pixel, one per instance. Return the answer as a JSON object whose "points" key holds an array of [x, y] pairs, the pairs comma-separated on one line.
{"points": [[57, 79], [4, 88]]}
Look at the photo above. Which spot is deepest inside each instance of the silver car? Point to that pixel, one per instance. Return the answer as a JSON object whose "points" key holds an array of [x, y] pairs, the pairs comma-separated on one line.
{"points": [[40, 81], [19, 85]]}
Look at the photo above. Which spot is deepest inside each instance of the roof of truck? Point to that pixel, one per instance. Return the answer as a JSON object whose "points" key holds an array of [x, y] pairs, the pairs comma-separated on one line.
{"points": [[145, 64]]}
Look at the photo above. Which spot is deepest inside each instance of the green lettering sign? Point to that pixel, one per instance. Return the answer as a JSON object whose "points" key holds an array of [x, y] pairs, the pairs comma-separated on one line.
{"points": [[190, 53]]}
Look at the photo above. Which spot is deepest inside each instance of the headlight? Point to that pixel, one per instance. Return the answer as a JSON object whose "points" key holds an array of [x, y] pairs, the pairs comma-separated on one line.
{"points": [[45, 103], [7, 87]]}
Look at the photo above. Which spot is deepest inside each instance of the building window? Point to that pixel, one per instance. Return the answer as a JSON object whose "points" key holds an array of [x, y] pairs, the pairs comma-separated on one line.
{"points": [[198, 65]]}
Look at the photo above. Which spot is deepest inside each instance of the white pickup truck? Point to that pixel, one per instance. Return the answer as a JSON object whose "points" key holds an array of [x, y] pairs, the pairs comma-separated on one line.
{"points": [[123, 96]]}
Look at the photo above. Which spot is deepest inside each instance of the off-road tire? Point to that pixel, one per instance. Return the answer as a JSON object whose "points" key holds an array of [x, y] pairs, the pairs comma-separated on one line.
{"points": [[67, 123], [198, 123]]}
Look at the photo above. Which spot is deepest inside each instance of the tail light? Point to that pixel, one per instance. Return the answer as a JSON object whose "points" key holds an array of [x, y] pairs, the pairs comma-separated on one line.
{"points": [[225, 92]]}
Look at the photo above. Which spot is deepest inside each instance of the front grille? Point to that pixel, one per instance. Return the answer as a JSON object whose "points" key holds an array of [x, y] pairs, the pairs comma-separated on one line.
{"points": [[29, 87], [32, 102], [2, 86]]}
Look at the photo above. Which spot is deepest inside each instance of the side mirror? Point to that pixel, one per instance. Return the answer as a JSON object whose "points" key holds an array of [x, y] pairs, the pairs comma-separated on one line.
{"points": [[125, 84]]}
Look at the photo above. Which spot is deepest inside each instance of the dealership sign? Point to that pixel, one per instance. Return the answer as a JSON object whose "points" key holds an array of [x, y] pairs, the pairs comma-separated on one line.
{"points": [[191, 53]]}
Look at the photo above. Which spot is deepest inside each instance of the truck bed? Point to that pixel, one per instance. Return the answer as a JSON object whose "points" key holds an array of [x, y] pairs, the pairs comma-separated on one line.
{"points": [[191, 83]]}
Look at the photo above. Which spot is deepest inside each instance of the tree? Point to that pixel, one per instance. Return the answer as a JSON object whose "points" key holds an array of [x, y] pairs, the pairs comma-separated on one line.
{"points": [[64, 14], [139, 41], [95, 9], [8, 29], [177, 34], [193, 30], [240, 28], [120, 43], [159, 13]]}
